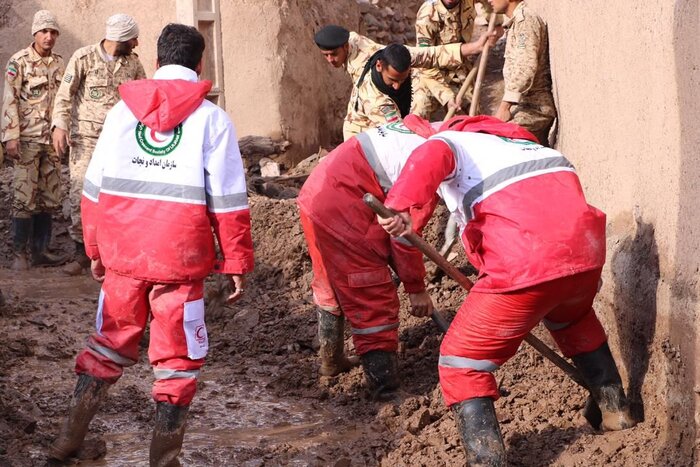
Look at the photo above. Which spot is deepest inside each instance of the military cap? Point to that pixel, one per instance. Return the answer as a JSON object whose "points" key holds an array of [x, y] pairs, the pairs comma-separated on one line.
{"points": [[331, 37]]}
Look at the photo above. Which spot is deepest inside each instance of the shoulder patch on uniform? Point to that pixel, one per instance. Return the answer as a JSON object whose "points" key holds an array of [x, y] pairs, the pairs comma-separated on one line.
{"points": [[12, 68], [423, 42], [68, 78], [522, 40]]}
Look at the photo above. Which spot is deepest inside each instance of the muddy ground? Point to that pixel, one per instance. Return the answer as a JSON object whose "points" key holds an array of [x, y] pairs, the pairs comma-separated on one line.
{"points": [[260, 401]]}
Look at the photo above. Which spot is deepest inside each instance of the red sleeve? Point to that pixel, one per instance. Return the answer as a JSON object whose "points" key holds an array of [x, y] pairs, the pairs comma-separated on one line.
{"points": [[232, 230], [407, 259], [88, 214], [430, 164]]}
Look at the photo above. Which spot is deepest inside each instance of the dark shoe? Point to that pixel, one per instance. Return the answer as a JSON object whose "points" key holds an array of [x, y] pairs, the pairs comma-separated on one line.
{"points": [[41, 237], [168, 434], [331, 339], [21, 227], [481, 436], [600, 373], [89, 394], [80, 261], [381, 371]]}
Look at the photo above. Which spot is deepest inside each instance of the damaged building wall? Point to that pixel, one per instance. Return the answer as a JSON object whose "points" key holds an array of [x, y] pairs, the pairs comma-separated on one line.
{"points": [[278, 84], [628, 112]]}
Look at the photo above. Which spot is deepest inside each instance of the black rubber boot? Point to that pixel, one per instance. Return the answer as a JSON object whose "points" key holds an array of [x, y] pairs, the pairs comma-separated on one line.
{"points": [[21, 227], [168, 434], [601, 375], [481, 436], [381, 371], [41, 237], [87, 398], [331, 340], [79, 263]]}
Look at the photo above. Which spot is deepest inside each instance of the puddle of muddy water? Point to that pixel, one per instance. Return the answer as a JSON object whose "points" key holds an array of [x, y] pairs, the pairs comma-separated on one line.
{"points": [[43, 284], [236, 419]]}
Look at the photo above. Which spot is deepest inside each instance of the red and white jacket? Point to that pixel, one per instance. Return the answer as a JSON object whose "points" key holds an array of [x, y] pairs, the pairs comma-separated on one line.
{"points": [[368, 163], [520, 206], [166, 170]]}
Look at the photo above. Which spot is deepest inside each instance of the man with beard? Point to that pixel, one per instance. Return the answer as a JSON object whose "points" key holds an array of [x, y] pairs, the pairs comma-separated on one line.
{"points": [[351, 51], [88, 91], [32, 78], [383, 92]]}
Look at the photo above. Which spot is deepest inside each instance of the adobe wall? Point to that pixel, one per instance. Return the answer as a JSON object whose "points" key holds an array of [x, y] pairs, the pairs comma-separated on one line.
{"points": [[82, 23], [277, 82], [626, 78]]}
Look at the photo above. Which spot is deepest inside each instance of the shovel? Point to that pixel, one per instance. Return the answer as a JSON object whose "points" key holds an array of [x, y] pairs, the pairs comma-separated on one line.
{"points": [[591, 412]]}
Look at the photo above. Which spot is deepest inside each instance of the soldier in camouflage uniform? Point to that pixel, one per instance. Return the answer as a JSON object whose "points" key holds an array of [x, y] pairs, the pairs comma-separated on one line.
{"points": [[343, 48], [441, 22], [88, 91], [31, 81], [527, 99]]}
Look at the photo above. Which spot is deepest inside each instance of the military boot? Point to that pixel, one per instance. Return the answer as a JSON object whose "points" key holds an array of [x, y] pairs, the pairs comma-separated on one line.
{"points": [[41, 237], [381, 371], [79, 263], [168, 433], [20, 236], [603, 380], [89, 394], [481, 436], [330, 337]]}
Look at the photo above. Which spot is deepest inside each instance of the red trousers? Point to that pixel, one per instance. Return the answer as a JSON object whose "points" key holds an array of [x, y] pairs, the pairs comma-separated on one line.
{"points": [[357, 283], [178, 336], [489, 328]]}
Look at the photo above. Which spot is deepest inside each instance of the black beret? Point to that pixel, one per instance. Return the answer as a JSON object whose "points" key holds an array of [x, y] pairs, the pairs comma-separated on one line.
{"points": [[331, 37]]}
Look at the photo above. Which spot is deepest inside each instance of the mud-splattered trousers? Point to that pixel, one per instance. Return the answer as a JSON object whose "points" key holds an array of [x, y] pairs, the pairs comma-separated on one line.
{"points": [[36, 180], [178, 335]]}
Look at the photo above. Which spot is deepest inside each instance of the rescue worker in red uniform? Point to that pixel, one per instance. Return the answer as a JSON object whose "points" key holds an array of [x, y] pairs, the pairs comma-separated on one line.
{"points": [[165, 172], [539, 248], [351, 253]]}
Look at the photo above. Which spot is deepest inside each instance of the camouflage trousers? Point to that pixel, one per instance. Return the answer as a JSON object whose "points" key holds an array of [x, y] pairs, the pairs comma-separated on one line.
{"points": [[37, 180], [537, 120], [426, 104], [80, 154]]}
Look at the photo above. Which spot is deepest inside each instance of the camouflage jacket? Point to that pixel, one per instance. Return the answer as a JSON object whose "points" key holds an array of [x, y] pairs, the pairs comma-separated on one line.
{"points": [[437, 25], [361, 48], [90, 89], [31, 83], [368, 108], [526, 74]]}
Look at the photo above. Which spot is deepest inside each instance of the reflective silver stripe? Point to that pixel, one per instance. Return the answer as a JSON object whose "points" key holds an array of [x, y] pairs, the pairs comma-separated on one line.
{"points": [[508, 173], [235, 200], [402, 240], [375, 329], [175, 374], [373, 160], [90, 189], [193, 193], [450, 361], [111, 354], [552, 326]]}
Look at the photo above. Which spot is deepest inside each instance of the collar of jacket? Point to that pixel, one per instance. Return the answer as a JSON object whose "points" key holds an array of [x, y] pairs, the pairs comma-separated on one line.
{"points": [[176, 72]]}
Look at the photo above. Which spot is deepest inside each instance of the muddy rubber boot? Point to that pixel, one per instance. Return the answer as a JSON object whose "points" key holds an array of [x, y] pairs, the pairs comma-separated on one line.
{"points": [[481, 436], [381, 371], [168, 434], [89, 394], [79, 263], [41, 237], [601, 375], [20, 236], [331, 339]]}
